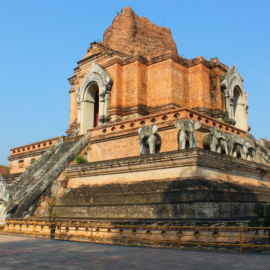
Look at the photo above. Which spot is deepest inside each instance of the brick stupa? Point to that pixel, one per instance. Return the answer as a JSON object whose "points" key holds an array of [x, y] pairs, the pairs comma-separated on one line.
{"points": [[166, 138]]}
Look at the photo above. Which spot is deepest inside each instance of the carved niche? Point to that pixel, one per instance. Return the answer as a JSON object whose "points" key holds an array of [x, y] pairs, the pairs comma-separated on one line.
{"points": [[97, 75], [236, 99]]}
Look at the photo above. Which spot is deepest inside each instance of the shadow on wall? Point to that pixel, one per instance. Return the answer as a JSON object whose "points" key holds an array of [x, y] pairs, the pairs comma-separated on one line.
{"points": [[193, 199], [168, 199]]}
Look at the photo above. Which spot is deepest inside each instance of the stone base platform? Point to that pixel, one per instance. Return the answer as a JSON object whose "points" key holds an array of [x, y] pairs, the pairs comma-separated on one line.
{"points": [[192, 184]]}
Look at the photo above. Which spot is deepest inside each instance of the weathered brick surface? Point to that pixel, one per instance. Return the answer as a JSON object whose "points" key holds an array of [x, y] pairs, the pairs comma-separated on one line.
{"points": [[167, 199], [152, 78], [138, 36], [191, 184]]}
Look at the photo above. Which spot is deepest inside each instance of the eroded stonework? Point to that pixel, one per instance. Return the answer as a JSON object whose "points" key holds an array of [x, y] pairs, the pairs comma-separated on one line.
{"points": [[135, 35]]}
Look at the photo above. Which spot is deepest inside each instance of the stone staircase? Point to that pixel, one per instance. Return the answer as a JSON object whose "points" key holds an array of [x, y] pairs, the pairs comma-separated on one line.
{"points": [[30, 185]]}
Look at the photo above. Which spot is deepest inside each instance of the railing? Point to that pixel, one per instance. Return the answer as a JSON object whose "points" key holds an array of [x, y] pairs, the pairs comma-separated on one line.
{"points": [[73, 139], [153, 235]]}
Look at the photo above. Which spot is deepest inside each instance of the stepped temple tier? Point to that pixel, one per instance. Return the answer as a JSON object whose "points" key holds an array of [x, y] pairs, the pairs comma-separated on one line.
{"points": [[152, 137]]}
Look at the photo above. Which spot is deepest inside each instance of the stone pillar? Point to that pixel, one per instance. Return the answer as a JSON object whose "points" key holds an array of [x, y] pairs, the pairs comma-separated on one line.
{"points": [[79, 112], [227, 102], [232, 116], [107, 107], [101, 108]]}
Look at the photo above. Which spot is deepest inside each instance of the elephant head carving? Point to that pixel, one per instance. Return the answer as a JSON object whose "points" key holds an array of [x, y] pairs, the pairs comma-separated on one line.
{"points": [[245, 147], [218, 140], [187, 132], [262, 151], [249, 149], [234, 144], [148, 138]]}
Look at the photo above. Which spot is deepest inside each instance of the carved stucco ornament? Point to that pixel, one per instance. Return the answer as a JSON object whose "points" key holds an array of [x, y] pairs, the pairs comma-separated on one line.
{"points": [[96, 74], [231, 84]]}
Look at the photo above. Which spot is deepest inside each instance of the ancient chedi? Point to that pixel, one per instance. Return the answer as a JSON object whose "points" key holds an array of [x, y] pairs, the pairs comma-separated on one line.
{"points": [[166, 138]]}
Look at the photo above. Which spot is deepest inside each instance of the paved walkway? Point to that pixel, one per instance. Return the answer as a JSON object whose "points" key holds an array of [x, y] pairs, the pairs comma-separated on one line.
{"points": [[27, 253]]}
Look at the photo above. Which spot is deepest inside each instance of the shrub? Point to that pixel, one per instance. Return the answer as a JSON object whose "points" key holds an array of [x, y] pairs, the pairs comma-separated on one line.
{"points": [[266, 222], [255, 222], [81, 160], [267, 211], [259, 211]]}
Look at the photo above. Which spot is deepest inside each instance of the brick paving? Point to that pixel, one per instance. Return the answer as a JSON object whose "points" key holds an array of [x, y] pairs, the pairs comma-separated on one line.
{"points": [[28, 253]]}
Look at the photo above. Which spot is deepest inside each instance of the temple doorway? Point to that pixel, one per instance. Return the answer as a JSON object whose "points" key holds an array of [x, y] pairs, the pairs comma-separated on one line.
{"points": [[91, 107], [239, 108]]}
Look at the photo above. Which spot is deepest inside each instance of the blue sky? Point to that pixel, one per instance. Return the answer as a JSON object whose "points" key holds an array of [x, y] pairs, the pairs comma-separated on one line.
{"points": [[41, 42]]}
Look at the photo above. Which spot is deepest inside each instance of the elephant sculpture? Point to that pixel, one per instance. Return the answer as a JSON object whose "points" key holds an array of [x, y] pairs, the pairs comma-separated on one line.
{"points": [[187, 132], [262, 152], [148, 138], [235, 145], [218, 140], [265, 157], [249, 149], [246, 147]]}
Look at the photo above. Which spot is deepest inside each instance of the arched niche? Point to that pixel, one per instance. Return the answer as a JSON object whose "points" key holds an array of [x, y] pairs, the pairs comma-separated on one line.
{"points": [[90, 107], [93, 99], [239, 109], [236, 99]]}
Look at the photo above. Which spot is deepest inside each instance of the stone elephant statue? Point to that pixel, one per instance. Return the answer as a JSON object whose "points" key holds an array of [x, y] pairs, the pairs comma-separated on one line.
{"points": [[249, 149], [235, 145], [245, 146], [148, 138], [263, 152], [218, 140], [265, 157], [187, 132]]}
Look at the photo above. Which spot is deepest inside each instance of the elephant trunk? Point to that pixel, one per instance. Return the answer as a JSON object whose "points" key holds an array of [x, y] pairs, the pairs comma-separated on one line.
{"points": [[152, 144]]}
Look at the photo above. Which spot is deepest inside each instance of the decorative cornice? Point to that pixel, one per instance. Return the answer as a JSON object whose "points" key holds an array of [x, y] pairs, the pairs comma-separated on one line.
{"points": [[37, 146], [183, 158], [124, 60], [33, 153], [164, 117]]}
